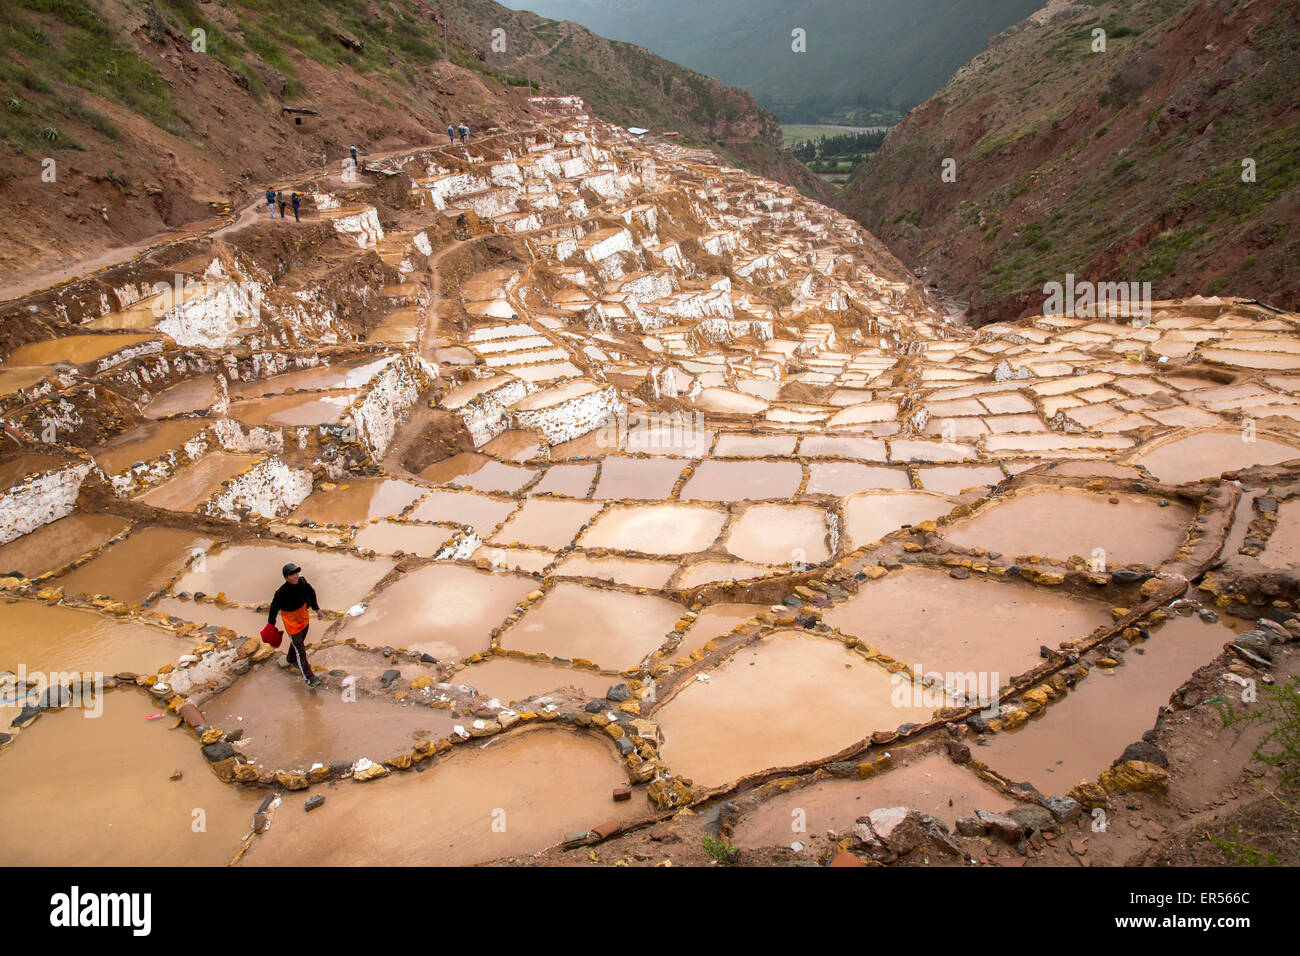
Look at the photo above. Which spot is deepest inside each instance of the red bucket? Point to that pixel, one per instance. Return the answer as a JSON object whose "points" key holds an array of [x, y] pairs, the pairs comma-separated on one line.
{"points": [[272, 635]]}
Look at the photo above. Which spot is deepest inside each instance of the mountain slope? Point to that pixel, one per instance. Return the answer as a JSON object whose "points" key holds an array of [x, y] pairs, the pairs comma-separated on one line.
{"points": [[122, 122], [860, 53], [1124, 166]]}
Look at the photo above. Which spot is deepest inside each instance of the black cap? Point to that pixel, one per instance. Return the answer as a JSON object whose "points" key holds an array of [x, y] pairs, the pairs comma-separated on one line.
{"points": [[289, 569]]}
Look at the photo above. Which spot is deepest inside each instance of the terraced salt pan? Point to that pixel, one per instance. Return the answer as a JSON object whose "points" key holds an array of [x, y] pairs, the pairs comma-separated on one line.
{"points": [[15, 379], [789, 699], [732, 445], [345, 375], [934, 623], [130, 761], [715, 621], [932, 784], [511, 680], [390, 537], [548, 782], [612, 629], [135, 567], [479, 472], [287, 727], [1060, 522], [306, 408], [573, 481], [955, 479], [146, 442], [715, 480], [244, 621], [1116, 709], [843, 446], [631, 572], [870, 516], [191, 395], [77, 349], [1210, 453], [250, 573], [848, 477], [196, 482], [52, 638], [53, 545], [623, 478], [779, 534], [655, 529], [356, 500], [443, 610], [545, 523], [463, 507]]}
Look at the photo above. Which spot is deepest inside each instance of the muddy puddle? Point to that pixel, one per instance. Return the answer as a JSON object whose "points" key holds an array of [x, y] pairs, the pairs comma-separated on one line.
{"points": [[515, 795], [135, 567], [346, 375], [311, 408], [932, 784], [790, 699], [51, 546], [195, 483], [442, 610], [1077, 738], [357, 500], [655, 529], [250, 574], [937, 624], [193, 395], [53, 820], [612, 629], [287, 727], [1060, 522], [76, 349]]}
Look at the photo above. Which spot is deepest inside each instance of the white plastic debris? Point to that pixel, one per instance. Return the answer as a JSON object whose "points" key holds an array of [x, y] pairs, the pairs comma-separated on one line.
{"points": [[704, 678], [356, 610], [796, 846]]}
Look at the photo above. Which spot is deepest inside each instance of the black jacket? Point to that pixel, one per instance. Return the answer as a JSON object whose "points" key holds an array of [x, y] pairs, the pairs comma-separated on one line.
{"points": [[290, 597]]}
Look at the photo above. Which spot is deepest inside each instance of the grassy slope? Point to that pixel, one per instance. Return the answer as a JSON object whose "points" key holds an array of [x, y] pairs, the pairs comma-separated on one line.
{"points": [[1122, 166]]}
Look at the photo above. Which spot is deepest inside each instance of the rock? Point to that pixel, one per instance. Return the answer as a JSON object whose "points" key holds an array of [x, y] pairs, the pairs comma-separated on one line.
{"points": [[622, 793], [176, 775], [971, 827], [25, 716], [1032, 817], [1144, 751], [1001, 826], [1089, 795], [292, 780], [603, 831], [619, 693], [260, 822], [314, 801], [1126, 576], [1134, 775], [958, 752], [596, 706], [845, 858], [1256, 643], [388, 676], [364, 771], [218, 751], [891, 832], [190, 714], [1062, 809]]}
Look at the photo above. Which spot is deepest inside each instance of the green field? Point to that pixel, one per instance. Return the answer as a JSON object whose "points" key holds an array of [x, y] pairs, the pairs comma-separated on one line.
{"points": [[801, 133]]}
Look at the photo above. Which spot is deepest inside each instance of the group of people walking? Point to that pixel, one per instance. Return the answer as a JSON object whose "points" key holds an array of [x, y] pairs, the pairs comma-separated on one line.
{"points": [[276, 197], [453, 130]]}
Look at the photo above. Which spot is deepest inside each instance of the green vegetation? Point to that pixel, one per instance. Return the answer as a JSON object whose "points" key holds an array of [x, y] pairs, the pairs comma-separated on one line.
{"points": [[720, 850], [839, 153]]}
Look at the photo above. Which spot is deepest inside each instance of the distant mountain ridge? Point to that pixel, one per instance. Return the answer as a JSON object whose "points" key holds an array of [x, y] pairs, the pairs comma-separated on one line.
{"points": [[860, 53], [1172, 157]]}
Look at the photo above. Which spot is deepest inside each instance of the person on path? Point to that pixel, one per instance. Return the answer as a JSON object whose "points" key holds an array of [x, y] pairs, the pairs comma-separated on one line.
{"points": [[279, 198], [270, 200], [353, 150], [451, 134], [295, 199], [292, 601], [464, 132]]}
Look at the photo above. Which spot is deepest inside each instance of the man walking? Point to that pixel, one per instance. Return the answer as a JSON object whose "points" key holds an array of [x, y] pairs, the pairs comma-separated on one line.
{"points": [[280, 198], [464, 132], [296, 199], [451, 134], [353, 150], [270, 200], [292, 601]]}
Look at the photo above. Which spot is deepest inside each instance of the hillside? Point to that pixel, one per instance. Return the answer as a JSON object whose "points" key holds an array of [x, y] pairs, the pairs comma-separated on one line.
{"points": [[1118, 166], [860, 56], [124, 123]]}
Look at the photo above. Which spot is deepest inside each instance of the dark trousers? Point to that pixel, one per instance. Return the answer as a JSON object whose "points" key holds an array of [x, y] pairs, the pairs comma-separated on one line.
{"points": [[295, 214], [282, 205], [297, 654]]}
